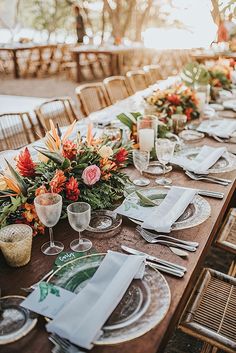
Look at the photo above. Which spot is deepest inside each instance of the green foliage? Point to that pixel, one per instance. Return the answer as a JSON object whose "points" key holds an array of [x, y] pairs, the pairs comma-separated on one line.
{"points": [[195, 74]]}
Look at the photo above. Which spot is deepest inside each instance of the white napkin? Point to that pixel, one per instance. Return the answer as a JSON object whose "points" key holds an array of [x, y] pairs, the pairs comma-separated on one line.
{"points": [[223, 128], [81, 320], [202, 162], [173, 206]]}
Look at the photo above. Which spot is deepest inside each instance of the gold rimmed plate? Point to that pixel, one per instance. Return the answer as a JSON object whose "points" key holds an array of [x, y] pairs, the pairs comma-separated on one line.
{"points": [[143, 306]]}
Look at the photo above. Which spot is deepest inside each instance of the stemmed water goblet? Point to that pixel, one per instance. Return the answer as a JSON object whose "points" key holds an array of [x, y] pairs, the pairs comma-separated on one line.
{"points": [[141, 162], [164, 151], [79, 215], [48, 208]]}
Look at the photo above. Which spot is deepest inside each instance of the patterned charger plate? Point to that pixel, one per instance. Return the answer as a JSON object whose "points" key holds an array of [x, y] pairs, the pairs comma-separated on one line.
{"points": [[196, 213], [143, 306], [226, 163]]}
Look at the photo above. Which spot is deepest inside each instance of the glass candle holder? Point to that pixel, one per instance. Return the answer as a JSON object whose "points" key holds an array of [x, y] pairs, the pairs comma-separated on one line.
{"points": [[112, 133], [16, 244], [179, 121], [147, 132]]}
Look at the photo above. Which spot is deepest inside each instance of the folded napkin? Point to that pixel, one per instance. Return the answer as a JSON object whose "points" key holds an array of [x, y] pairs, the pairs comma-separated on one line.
{"points": [[81, 320], [205, 159], [222, 128], [173, 206], [159, 218]]}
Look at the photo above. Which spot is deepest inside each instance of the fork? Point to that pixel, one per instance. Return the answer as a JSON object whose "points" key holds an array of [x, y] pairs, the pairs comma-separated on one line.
{"points": [[152, 236], [167, 243], [210, 177], [205, 178], [64, 344]]}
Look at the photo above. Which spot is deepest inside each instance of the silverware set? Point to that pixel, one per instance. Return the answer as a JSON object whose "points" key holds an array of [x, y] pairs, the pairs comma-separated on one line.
{"points": [[223, 140], [207, 178], [167, 240], [157, 263]]}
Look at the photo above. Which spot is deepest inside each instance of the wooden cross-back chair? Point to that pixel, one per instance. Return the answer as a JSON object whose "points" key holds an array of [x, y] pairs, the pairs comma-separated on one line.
{"points": [[92, 97], [16, 130], [59, 110], [152, 73], [137, 80], [117, 88]]}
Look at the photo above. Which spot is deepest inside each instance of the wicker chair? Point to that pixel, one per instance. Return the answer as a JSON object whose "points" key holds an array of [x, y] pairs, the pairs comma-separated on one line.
{"points": [[152, 73], [211, 311], [226, 238], [16, 130], [137, 80], [92, 97], [117, 88], [59, 110]]}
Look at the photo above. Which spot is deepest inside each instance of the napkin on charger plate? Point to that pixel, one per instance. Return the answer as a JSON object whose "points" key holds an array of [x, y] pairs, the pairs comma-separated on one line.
{"points": [[160, 218], [222, 127], [81, 320], [205, 159]]}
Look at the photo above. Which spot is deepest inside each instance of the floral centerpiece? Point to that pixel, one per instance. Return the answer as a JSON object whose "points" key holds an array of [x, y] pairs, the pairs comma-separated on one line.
{"points": [[220, 76], [177, 99], [87, 171]]}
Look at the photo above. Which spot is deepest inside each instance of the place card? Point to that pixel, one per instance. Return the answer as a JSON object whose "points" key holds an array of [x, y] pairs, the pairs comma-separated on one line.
{"points": [[47, 299]]}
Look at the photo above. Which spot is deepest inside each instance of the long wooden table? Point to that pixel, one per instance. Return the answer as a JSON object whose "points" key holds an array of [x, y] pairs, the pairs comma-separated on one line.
{"points": [[12, 279]]}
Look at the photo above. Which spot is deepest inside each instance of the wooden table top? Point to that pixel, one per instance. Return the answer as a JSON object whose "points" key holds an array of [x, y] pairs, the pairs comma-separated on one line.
{"points": [[12, 279], [26, 46]]}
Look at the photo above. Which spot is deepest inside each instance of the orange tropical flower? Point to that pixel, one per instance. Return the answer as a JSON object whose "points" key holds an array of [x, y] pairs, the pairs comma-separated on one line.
{"points": [[41, 190], [30, 213], [107, 166], [12, 185], [72, 189], [58, 181], [69, 149], [25, 164]]}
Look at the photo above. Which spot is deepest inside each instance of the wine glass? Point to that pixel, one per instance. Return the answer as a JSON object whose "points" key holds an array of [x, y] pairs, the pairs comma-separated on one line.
{"points": [[164, 151], [79, 215], [48, 207], [141, 162]]}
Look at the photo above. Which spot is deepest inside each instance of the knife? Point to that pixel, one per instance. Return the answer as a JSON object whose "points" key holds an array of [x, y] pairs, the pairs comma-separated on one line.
{"points": [[153, 258], [214, 194], [169, 270]]}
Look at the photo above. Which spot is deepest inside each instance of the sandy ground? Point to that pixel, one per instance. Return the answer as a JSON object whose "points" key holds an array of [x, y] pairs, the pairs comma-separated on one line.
{"points": [[60, 86]]}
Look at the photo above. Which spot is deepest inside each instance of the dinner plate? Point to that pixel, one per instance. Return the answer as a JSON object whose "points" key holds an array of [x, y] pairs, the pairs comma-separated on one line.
{"points": [[191, 135], [230, 104], [197, 212], [143, 306], [226, 163], [15, 321]]}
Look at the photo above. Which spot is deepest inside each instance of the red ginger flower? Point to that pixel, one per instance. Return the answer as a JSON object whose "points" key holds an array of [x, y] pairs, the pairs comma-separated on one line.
{"points": [[25, 164], [72, 189], [69, 149], [57, 182], [121, 156], [188, 113], [174, 99]]}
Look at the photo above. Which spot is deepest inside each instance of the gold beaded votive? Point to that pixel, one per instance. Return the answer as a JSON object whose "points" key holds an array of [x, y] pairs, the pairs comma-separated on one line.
{"points": [[16, 244]]}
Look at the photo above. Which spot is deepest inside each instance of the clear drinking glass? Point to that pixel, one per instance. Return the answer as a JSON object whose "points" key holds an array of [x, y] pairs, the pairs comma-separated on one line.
{"points": [[164, 151], [141, 162], [48, 207], [79, 215]]}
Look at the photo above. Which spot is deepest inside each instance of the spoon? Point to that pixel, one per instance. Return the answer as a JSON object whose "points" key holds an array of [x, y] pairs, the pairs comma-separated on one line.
{"points": [[178, 252]]}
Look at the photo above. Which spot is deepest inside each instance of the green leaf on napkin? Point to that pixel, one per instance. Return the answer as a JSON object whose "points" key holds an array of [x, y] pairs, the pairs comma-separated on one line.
{"points": [[46, 288], [149, 201]]}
